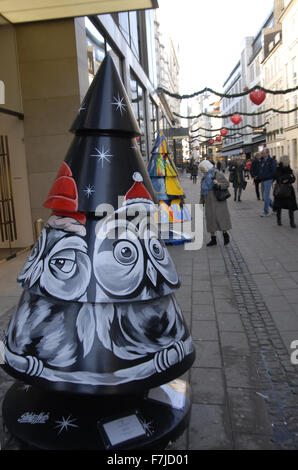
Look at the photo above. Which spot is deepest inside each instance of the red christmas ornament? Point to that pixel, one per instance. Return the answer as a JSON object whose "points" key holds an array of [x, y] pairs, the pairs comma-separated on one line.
{"points": [[211, 141], [224, 132], [218, 138], [257, 96], [236, 118], [197, 148]]}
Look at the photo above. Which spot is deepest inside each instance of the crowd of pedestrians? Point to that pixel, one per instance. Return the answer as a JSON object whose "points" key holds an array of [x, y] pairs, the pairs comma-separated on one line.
{"points": [[273, 183]]}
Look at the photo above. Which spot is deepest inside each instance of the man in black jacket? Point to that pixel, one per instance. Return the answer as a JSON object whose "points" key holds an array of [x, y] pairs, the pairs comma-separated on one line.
{"points": [[254, 171], [266, 175]]}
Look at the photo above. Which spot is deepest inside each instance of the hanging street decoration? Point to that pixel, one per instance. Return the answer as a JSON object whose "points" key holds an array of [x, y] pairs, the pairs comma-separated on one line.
{"points": [[235, 132], [257, 96], [98, 325], [220, 129], [223, 116], [211, 141], [245, 92], [236, 119], [218, 138]]}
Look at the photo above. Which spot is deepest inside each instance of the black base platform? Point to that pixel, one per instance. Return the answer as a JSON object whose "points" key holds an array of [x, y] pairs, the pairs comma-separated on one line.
{"points": [[58, 421]]}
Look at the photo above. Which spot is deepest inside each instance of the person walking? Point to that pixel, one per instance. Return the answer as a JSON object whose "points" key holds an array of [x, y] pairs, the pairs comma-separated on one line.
{"points": [[238, 179], [247, 169], [266, 174], [217, 212], [283, 192], [194, 172], [254, 172]]}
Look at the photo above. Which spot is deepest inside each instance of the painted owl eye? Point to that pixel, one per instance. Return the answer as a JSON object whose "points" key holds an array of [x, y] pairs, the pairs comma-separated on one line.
{"points": [[67, 269], [160, 258], [123, 261], [63, 266], [125, 253], [157, 249]]}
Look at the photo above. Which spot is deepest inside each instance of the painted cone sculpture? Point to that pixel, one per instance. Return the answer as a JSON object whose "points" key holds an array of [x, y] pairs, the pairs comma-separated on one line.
{"points": [[164, 177], [98, 313]]}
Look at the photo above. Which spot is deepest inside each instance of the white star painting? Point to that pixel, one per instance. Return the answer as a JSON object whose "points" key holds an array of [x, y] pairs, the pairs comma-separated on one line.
{"points": [[102, 155], [89, 190], [81, 108], [120, 106], [65, 424]]}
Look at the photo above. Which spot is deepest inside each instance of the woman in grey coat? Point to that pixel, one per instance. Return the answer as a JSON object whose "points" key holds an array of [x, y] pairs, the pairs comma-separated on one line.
{"points": [[217, 212]]}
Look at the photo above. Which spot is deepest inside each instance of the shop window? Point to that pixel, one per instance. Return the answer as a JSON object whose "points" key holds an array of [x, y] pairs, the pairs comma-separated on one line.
{"points": [[138, 104], [97, 48], [153, 121], [129, 27]]}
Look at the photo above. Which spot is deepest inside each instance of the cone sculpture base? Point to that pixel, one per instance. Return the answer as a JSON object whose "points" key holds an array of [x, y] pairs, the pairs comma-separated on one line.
{"points": [[177, 238], [58, 421]]}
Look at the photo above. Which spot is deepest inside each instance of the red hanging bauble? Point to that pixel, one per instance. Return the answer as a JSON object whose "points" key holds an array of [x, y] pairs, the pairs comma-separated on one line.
{"points": [[211, 141], [197, 148], [218, 138], [236, 118], [224, 132], [257, 96]]}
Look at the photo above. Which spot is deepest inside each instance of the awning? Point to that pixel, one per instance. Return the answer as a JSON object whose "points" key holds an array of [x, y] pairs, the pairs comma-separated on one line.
{"points": [[231, 152], [20, 11]]}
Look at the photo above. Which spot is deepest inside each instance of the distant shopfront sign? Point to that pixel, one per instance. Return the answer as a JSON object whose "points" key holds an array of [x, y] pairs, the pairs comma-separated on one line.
{"points": [[2, 92]]}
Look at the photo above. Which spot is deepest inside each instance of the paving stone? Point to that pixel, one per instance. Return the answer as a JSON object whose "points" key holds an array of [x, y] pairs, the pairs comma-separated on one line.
{"points": [[204, 330], [208, 428], [248, 411], [207, 354], [234, 343], [207, 385], [253, 442], [229, 322]]}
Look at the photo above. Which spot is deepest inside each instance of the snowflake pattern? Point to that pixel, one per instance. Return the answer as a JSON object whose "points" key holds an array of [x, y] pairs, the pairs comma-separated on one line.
{"points": [[102, 155], [81, 108], [65, 423], [89, 190], [119, 104], [147, 425]]}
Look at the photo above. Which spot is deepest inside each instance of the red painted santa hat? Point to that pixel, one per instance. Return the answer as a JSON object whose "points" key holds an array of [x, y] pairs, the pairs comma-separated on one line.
{"points": [[137, 193], [63, 195]]}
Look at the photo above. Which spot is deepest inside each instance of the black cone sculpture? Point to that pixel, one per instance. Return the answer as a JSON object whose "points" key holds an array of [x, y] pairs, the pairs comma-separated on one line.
{"points": [[98, 318]]}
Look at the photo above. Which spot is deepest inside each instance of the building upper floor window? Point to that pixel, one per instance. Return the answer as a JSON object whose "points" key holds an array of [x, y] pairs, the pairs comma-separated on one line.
{"points": [[97, 48], [138, 105], [128, 25]]}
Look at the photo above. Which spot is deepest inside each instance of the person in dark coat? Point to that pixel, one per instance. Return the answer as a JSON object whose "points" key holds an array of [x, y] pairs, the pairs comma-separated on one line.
{"points": [[194, 172], [238, 179], [254, 171], [284, 176]]}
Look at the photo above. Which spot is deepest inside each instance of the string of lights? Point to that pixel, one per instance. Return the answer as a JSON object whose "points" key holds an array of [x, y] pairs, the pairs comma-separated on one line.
{"points": [[261, 126], [223, 116], [225, 95], [230, 136]]}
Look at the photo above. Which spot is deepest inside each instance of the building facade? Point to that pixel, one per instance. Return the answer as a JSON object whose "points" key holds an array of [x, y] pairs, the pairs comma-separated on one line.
{"points": [[46, 68]]}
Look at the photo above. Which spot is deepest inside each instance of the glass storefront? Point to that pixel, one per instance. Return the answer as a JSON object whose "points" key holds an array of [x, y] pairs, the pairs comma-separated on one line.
{"points": [[97, 47], [138, 104]]}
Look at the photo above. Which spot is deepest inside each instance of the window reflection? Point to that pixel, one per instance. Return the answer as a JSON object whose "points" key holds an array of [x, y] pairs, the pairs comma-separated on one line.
{"points": [[138, 105], [97, 48]]}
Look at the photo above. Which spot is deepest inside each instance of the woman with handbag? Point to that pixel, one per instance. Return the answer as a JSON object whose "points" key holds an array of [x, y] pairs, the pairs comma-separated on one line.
{"points": [[217, 212], [283, 191]]}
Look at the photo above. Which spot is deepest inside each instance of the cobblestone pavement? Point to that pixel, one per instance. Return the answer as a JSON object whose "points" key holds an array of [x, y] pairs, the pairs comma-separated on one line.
{"points": [[241, 304]]}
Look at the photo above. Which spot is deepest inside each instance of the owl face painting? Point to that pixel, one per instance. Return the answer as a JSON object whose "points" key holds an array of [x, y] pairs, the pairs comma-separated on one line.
{"points": [[122, 261], [98, 313]]}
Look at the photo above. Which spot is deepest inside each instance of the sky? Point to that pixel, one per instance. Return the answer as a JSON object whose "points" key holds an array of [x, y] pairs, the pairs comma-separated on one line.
{"points": [[210, 34]]}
